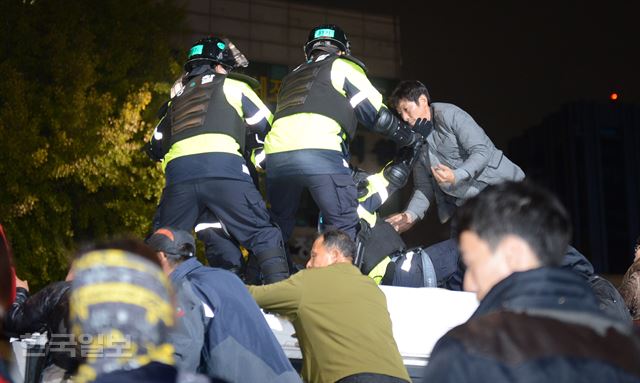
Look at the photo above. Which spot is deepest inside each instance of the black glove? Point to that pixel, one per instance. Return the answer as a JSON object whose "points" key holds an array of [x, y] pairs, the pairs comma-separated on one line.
{"points": [[423, 126]]}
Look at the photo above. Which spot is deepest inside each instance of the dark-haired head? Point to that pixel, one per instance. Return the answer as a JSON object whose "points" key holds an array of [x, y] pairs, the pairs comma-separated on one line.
{"points": [[507, 228], [409, 90], [522, 209], [330, 247]]}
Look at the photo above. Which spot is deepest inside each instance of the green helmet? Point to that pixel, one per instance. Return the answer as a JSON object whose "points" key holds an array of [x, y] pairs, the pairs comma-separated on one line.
{"points": [[217, 51], [327, 34]]}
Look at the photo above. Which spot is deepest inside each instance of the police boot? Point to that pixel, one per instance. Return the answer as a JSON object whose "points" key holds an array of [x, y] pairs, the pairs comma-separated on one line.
{"points": [[273, 264]]}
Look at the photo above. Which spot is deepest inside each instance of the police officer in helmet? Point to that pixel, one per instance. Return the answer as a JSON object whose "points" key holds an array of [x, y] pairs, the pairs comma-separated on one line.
{"points": [[319, 106], [200, 141]]}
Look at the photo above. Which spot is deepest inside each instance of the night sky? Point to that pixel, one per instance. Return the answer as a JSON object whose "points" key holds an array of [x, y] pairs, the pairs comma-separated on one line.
{"points": [[510, 63]]}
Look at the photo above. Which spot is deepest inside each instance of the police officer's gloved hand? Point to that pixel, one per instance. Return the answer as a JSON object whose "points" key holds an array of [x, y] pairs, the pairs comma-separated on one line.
{"points": [[423, 126]]}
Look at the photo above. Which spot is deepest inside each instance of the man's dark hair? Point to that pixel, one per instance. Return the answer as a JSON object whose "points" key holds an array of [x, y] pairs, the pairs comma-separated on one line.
{"points": [[522, 209], [408, 90], [339, 240], [184, 253]]}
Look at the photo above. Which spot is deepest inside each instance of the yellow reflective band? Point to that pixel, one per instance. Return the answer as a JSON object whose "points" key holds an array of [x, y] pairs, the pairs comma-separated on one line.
{"points": [[118, 258], [367, 216], [258, 155], [233, 90], [342, 69], [303, 131], [157, 308], [378, 272], [202, 143], [379, 184]]}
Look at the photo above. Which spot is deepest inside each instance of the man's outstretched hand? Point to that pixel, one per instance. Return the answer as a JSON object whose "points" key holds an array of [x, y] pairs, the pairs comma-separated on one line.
{"points": [[401, 222]]}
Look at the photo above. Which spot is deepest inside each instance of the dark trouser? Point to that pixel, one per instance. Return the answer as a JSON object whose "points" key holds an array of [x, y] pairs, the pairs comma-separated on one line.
{"points": [[366, 377], [220, 250], [238, 204], [335, 195]]}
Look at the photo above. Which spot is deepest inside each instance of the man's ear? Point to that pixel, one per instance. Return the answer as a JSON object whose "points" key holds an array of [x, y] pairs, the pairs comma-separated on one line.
{"points": [[518, 254], [423, 100], [220, 69], [335, 255]]}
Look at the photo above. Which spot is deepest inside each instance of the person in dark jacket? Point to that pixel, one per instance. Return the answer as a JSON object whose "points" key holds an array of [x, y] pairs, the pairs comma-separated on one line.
{"points": [[609, 299], [47, 310], [536, 322], [220, 328]]}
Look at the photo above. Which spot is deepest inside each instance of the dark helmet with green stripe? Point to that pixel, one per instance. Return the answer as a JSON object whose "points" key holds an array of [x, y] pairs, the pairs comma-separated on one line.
{"points": [[327, 35], [217, 51]]}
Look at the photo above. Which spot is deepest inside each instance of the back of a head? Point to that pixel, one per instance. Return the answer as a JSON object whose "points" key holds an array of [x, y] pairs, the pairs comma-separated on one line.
{"points": [[410, 90], [522, 209], [339, 240], [177, 245], [120, 305]]}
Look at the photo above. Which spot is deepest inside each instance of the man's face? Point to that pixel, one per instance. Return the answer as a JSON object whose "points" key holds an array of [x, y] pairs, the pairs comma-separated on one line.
{"points": [[320, 256], [485, 268], [411, 111]]}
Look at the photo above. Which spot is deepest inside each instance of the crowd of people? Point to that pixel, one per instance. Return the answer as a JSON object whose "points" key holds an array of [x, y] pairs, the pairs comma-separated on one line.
{"points": [[133, 310]]}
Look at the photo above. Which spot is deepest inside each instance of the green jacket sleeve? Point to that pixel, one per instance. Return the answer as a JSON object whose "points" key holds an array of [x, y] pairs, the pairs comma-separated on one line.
{"points": [[283, 297]]}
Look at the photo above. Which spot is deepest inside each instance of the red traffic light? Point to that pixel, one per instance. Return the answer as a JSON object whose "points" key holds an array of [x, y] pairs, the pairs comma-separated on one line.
{"points": [[614, 96]]}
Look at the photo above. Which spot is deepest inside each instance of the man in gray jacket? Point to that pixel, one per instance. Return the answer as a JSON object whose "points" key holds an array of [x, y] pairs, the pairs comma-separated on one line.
{"points": [[458, 161]]}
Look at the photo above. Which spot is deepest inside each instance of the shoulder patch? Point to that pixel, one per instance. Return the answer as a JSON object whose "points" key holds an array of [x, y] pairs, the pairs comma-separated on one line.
{"points": [[207, 79]]}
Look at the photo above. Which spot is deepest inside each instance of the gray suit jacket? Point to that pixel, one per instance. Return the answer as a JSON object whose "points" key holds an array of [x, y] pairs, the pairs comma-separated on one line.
{"points": [[458, 142]]}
